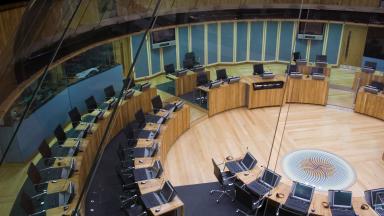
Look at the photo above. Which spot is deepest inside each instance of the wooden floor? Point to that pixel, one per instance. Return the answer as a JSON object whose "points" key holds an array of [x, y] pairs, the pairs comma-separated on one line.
{"points": [[356, 138]]}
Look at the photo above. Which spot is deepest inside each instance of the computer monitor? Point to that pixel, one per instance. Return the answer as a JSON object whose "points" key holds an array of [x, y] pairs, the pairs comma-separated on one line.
{"points": [[249, 161], [168, 191], [374, 196], [258, 69], [302, 191], [109, 92], [221, 74], [342, 199], [270, 178]]}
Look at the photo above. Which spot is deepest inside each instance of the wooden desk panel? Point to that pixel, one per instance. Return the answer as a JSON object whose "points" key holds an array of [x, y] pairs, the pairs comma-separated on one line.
{"points": [[177, 124], [265, 97], [226, 97], [186, 83], [370, 104], [154, 185], [307, 90]]}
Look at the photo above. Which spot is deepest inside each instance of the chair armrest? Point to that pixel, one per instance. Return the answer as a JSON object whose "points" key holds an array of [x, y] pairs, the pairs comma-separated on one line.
{"points": [[37, 195]]}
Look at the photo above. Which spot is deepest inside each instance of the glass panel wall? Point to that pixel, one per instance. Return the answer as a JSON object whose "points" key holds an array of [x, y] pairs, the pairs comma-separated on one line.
{"points": [[249, 78]]}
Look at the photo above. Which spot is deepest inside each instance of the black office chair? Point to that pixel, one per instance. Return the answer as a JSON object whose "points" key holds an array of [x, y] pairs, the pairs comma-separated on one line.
{"points": [[189, 60], [125, 175], [139, 152], [36, 204], [47, 174], [296, 55], [61, 135], [91, 104], [158, 105], [133, 134], [56, 151], [142, 118], [258, 69], [221, 74], [282, 211], [169, 68], [250, 201], [226, 180], [109, 92], [76, 117], [133, 207]]}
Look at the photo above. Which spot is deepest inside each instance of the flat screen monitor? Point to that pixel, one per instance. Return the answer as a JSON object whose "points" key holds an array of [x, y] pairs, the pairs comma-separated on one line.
{"points": [[311, 28], [374, 196], [342, 199], [270, 178], [163, 38], [168, 191], [302, 191], [248, 161]]}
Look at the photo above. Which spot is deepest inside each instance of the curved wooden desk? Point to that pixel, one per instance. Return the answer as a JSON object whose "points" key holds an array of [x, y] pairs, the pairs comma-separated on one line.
{"points": [[176, 125], [230, 96], [185, 84], [370, 104], [307, 90], [316, 207], [90, 144]]}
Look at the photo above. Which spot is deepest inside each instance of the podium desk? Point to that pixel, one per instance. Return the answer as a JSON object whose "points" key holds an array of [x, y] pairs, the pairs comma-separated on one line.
{"points": [[185, 84], [225, 97], [307, 90], [370, 104], [263, 97], [306, 69], [364, 78], [176, 205]]}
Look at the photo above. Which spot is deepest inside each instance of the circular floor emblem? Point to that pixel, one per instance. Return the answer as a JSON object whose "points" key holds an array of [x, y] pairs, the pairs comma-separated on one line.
{"points": [[318, 168]]}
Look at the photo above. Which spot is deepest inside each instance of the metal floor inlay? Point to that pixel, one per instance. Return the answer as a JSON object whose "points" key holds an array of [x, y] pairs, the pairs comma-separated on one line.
{"points": [[319, 168]]}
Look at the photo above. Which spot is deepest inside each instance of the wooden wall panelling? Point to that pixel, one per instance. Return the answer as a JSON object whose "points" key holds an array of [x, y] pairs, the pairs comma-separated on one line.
{"points": [[353, 44]]}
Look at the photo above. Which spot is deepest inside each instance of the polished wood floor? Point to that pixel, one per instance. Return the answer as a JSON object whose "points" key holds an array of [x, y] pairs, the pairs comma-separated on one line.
{"points": [[356, 138]]}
